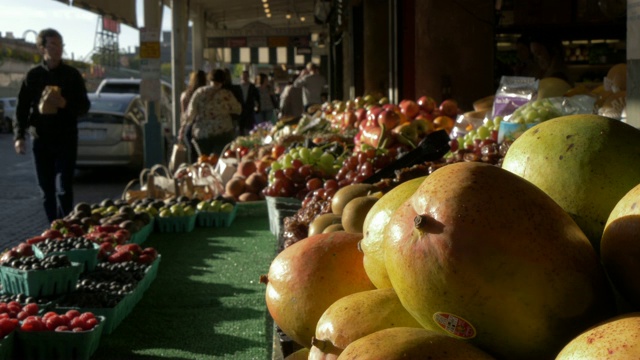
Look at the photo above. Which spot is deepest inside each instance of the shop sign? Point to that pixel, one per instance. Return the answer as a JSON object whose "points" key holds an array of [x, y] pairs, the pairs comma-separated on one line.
{"points": [[236, 42], [257, 41]]}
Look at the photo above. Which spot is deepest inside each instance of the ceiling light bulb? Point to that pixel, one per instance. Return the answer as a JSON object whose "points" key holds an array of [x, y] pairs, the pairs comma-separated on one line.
{"points": [[288, 16], [267, 11], [266, 5], [268, 15], [264, 1], [302, 18]]}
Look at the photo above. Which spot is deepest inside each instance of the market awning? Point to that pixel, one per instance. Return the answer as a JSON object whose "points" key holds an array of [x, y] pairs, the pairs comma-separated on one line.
{"points": [[121, 11]]}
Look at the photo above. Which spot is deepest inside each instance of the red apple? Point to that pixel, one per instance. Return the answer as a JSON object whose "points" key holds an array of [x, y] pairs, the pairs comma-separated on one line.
{"points": [[391, 107], [409, 107], [449, 108], [427, 103], [389, 119], [349, 119], [361, 114]]}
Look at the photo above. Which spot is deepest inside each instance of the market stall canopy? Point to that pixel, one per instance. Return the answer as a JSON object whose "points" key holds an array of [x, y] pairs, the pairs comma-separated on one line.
{"points": [[121, 11]]}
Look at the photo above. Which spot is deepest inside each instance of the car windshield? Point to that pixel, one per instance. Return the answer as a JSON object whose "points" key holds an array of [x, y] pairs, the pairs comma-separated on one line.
{"points": [[103, 105], [101, 118], [132, 88]]}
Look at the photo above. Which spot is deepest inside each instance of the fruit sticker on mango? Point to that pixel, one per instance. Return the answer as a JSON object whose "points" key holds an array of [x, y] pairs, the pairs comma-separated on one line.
{"points": [[455, 325]]}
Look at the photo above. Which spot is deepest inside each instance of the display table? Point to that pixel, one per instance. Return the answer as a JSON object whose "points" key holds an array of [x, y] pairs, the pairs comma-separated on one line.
{"points": [[206, 302]]}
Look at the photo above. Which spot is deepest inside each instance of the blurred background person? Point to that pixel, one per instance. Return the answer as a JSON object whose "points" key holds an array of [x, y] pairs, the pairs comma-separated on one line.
{"points": [[549, 55], [267, 109], [526, 64], [237, 92], [291, 100], [209, 112], [250, 103], [197, 79], [312, 84]]}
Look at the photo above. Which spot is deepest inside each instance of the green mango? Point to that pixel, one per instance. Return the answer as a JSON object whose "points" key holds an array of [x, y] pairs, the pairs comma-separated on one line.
{"points": [[586, 163]]}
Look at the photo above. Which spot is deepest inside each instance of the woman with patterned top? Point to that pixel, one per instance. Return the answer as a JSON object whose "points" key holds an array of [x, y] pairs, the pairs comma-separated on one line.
{"points": [[209, 112]]}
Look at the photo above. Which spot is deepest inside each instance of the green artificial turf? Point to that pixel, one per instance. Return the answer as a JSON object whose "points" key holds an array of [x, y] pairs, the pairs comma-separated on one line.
{"points": [[206, 302]]}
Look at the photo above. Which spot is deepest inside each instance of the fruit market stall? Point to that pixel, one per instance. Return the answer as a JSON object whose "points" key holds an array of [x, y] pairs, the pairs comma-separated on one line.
{"points": [[365, 198]]}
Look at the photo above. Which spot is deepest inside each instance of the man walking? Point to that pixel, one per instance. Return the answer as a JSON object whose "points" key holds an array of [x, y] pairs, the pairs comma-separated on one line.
{"points": [[52, 96], [250, 103], [312, 84]]}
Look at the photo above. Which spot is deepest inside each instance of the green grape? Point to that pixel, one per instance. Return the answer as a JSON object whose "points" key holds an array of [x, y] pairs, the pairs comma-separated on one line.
{"points": [[489, 124], [531, 116], [517, 120], [544, 113], [294, 153], [472, 134], [469, 143], [316, 153], [326, 160], [287, 159], [483, 132], [305, 155], [536, 104], [276, 165]]}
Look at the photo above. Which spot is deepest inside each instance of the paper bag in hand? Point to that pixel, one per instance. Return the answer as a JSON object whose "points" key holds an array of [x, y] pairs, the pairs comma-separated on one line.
{"points": [[49, 100]]}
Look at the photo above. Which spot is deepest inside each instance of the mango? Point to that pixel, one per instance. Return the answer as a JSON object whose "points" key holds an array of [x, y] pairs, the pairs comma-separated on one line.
{"points": [[307, 277], [586, 163], [411, 343], [614, 339], [620, 247], [355, 316], [483, 255], [374, 224]]}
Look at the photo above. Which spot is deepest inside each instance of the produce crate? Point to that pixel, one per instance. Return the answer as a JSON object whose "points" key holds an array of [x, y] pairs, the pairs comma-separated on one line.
{"points": [[216, 219], [52, 345], [40, 283], [252, 208], [150, 275], [142, 235], [113, 316], [6, 346], [278, 209], [87, 258], [176, 224]]}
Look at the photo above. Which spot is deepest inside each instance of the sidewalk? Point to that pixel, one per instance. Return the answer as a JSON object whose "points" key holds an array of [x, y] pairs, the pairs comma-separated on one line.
{"points": [[21, 212]]}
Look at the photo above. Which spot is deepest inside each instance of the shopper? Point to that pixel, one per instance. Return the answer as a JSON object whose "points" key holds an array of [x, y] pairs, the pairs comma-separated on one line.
{"points": [[291, 101], [209, 112], [312, 84], [250, 103], [526, 64], [267, 109], [52, 96], [549, 54], [197, 79]]}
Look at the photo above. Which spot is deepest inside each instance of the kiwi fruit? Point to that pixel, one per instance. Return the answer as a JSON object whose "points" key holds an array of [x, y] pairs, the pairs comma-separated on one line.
{"points": [[333, 228], [348, 193], [355, 212], [322, 221]]}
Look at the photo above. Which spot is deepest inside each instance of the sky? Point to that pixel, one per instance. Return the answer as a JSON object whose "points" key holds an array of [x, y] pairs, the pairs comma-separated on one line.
{"points": [[25, 18]]}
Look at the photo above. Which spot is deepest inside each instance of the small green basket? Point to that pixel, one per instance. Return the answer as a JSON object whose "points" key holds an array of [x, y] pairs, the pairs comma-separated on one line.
{"points": [[87, 258], [53, 345], [150, 275], [6, 346], [142, 235], [113, 316], [176, 224], [39, 283], [252, 208], [216, 219]]}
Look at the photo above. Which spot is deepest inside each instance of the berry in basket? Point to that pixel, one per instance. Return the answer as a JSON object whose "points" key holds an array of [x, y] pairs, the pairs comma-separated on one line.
{"points": [[33, 263], [72, 320], [65, 244]]}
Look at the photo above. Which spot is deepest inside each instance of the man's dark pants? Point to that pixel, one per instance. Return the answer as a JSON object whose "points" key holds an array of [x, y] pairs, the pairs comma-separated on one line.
{"points": [[55, 162]]}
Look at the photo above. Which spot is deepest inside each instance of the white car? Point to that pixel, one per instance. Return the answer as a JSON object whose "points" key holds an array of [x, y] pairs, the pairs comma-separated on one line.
{"points": [[7, 113]]}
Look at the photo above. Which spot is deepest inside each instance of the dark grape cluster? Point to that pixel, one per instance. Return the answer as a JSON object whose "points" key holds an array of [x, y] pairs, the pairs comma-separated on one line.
{"points": [[362, 164], [65, 244], [33, 263], [119, 271], [89, 299], [24, 299]]}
